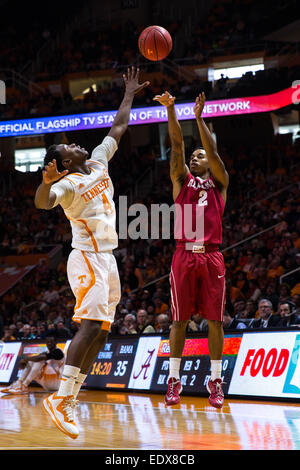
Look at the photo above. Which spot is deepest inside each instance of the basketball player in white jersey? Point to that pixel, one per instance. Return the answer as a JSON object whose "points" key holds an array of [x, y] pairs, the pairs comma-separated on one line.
{"points": [[83, 188]]}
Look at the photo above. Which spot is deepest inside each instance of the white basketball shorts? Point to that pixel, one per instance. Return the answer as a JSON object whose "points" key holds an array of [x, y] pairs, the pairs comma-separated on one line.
{"points": [[95, 282]]}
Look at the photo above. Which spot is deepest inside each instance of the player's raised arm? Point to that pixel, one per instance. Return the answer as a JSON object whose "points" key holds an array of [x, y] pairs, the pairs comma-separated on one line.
{"points": [[44, 197], [132, 87], [178, 168], [216, 164]]}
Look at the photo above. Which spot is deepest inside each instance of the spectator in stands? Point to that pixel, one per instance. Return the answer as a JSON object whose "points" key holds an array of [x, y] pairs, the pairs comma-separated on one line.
{"points": [[230, 323], [160, 306], [61, 331], [130, 324], [254, 292], [163, 324], [233, 293], [201, 322], [33, 331], [284, 292], [275, 268], [271, 294], [250, 309], [192, 326], [151, 320], [239, 308], [14, 330], [265, 315], [51, 296], [41, 331], [142, 325], [7, 336], [286, 316], [26, 334], [20, 326], [74, 327], [51, 330]]}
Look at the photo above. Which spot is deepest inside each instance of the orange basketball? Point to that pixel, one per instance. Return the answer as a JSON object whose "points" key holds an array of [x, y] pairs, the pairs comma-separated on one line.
{"points": [[155, 43]]}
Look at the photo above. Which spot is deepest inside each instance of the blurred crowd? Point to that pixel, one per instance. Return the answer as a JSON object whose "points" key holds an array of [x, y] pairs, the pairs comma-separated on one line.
{"points": [[108, 96], [229, 26], [226, 27], [263, 199]]}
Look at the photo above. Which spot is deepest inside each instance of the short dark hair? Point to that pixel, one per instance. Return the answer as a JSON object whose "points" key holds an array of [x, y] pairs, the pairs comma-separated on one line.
{"points": [[52, 338], [287, 302], [53, 153]]}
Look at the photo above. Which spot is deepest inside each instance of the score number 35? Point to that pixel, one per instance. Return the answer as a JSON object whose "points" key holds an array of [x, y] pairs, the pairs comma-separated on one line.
{"points": [[121, 368]]}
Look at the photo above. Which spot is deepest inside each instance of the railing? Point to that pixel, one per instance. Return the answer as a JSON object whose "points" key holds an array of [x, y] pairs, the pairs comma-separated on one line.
{"points": [[20, 81], [288, 274], [275, 193]]}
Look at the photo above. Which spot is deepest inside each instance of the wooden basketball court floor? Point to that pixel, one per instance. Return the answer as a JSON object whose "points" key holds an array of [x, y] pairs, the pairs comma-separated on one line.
{"points": [[114, 420]]}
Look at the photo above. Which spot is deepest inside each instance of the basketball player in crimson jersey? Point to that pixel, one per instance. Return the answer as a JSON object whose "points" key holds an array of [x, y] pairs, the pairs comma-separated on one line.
{"points": [[197, 275]]}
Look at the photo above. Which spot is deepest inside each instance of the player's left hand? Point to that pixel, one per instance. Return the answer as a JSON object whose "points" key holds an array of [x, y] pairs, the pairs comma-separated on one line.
{"points": [[199, 105], [131, 80], [166, 99]]}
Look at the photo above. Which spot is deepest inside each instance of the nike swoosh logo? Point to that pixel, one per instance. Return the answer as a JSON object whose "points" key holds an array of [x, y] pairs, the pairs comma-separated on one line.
{"points": [[221, 276]]}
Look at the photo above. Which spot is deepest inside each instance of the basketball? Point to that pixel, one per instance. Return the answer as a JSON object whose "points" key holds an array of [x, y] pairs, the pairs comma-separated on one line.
{"points": [[155, 43]]}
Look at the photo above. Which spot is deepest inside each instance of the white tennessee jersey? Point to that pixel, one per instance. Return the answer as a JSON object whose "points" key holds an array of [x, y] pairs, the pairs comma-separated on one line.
{"points": [[87, 201]]}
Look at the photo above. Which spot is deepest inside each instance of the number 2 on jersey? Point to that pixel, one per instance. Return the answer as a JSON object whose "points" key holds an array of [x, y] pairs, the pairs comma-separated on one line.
{"points": [[202, 201]]}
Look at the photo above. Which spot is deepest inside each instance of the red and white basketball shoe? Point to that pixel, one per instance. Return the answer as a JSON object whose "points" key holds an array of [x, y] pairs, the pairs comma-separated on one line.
{"points": [[216, 397], [174, 390]]}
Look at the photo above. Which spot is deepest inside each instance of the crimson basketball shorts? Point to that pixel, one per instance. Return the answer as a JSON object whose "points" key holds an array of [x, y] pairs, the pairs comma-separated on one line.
{"points": [[197, 285]]}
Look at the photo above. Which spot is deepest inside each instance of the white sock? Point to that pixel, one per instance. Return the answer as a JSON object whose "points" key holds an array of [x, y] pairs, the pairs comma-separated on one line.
{"points": [[216, 369], [67, 381], [174, 366], [78, 383]]}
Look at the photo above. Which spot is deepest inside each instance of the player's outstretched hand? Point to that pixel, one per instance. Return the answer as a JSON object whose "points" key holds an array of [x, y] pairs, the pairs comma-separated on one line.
{"points": [[199, 105], [131, 80], [165, 99], [51, 174]]}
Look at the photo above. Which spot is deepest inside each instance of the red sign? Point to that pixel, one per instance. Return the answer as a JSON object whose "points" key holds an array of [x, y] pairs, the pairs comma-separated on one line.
{"points": [[199, 347], [273, 361]]}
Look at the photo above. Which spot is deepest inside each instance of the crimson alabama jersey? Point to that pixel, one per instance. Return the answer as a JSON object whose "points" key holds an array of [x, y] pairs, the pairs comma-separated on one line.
{"points": [[199, 210]]}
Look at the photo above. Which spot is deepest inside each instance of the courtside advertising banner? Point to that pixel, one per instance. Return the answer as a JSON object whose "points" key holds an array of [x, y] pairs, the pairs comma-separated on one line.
{"points": [[150, 114], [267, 365], [144, 363], [8, 356]]}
